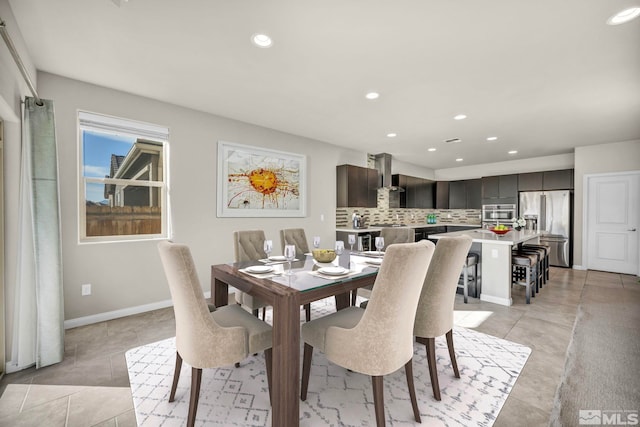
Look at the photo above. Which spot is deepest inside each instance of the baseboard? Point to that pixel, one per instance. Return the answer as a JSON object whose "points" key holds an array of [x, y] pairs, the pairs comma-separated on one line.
{"points": [[579, 267], [11, 367], [110, 315], [496, 300]]}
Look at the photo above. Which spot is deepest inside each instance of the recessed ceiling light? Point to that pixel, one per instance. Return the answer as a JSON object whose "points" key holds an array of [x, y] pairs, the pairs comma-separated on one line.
{"points": [[624, 16], [431, 149], [372, 95], [392, 135], [513, 152], [459, 159], [261, 40], [492, 138], [460, 117]]}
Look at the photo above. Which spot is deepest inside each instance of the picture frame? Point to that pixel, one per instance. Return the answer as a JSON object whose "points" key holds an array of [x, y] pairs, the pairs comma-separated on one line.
{"points": [[260, 182]]}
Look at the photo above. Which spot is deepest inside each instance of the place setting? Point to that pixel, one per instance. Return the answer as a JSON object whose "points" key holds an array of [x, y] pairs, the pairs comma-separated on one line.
{"points": [[272, 259]]}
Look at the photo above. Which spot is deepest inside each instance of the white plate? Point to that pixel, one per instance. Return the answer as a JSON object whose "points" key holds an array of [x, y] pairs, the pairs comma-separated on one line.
{"points": [[375, 261], [277, 258], [333, 271], [260, 269], [373, 253]]}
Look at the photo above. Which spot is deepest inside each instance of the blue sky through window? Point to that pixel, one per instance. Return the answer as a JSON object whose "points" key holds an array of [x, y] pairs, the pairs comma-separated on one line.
{"points": [[97, 149]]}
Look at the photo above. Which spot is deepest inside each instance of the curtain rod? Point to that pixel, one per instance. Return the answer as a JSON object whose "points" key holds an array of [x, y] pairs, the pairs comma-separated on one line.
{"points": [[18, 61]]}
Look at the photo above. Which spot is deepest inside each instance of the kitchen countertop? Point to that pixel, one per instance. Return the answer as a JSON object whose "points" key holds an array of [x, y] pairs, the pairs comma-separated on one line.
{"points": [[511, 238], [375, 229]]}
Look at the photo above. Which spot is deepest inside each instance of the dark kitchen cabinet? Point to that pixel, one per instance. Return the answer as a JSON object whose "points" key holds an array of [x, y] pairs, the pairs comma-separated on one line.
{"points": [[547, 180], [499, 189], [418, 192], [442, 195], [465, 194], [558, 180], [474, 193], [356, 187], [530, 181], [457, 195]]}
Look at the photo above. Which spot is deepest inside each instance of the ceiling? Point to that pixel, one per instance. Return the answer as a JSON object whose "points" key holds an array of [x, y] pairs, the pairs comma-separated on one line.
{"points": [[543, 76]]}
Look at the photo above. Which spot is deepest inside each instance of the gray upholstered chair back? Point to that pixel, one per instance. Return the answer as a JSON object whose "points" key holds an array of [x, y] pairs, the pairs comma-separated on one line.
{"points": [[397, 235], [249, 245], [295, 236], [387, 323], [200, 341], [435, 309]]}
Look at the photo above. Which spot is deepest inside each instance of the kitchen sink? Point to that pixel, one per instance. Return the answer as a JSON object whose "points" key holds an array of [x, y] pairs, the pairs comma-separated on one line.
{"points": [[388, 225]]}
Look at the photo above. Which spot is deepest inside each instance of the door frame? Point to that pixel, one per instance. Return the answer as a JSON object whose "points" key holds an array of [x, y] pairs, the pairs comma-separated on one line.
{"points": [[585, 213]]}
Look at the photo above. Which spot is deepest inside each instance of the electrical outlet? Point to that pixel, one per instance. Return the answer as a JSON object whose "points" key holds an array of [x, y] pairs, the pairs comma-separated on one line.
{"points": [[86, 289], [321, 217], [494, 253]]}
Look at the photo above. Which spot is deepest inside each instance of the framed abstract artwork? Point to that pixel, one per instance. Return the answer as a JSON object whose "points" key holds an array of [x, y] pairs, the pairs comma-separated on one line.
{"points": [[259, 182]]}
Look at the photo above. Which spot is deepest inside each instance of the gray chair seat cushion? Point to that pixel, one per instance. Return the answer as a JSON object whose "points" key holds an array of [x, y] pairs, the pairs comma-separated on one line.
{"points": [[314, 332], [258, 332]]}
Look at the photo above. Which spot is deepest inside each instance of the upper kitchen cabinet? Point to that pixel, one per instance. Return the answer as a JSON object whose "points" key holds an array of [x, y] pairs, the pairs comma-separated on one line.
{"points": [[548, 180], [530, 181], [499, 189], [558, 180], [357, 187], [465, 194], [442, 195], [418, 192]]}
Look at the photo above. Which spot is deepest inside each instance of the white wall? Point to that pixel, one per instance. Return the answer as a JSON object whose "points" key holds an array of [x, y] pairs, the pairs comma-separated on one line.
{"points": [[534, 164], [130, 274], [12, 90], [593, 159]]}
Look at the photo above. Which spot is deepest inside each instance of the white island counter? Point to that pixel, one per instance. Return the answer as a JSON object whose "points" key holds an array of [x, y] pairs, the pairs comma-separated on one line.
{"points": [[495, 260]]}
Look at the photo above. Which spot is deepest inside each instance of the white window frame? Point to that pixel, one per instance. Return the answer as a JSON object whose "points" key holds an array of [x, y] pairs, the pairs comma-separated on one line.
{"points": [[88, 121]]}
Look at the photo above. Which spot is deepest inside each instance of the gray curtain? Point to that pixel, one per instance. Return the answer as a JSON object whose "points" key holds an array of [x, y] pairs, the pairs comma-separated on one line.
{"points": [[39, 315]]}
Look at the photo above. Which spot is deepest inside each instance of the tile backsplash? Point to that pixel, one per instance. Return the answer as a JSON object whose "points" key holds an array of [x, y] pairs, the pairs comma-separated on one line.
{"points": [[384, 214]]}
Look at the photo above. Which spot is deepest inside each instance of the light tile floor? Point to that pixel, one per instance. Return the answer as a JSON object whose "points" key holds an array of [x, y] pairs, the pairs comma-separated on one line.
{"points": [[90, 387]]}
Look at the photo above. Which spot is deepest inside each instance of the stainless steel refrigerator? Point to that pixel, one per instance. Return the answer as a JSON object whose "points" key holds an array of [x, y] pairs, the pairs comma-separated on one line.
{"points": [[550, 212]]}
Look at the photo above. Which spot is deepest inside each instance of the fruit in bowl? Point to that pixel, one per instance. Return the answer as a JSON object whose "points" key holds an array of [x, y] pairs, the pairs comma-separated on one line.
{"points": [[500, 229], [324, 255]]}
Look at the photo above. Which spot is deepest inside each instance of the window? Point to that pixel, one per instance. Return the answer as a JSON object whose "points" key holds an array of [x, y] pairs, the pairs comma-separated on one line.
{"points": [[123, 179]]}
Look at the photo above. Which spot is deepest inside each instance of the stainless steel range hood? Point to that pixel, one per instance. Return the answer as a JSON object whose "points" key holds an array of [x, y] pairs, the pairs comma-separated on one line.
{"points": [[383, 165]]}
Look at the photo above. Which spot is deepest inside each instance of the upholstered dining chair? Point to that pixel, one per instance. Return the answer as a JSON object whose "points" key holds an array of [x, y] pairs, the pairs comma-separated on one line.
{"points": [[297, 237], [393, 235], [207, 339], [379, 340], [248, 245], [434, 316]]}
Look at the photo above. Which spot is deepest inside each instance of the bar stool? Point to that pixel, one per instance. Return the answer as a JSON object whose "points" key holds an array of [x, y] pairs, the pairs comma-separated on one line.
{"points": [[539, 268], [547, 250], [523, 273], [471, 262]]}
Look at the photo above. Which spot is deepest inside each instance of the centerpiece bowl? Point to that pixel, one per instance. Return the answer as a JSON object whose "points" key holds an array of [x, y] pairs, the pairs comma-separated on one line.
{"points": [[324, 255], [500, 231]]}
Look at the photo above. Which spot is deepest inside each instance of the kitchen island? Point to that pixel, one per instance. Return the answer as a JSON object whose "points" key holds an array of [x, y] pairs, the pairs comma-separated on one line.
{"points": [[495, 259]]}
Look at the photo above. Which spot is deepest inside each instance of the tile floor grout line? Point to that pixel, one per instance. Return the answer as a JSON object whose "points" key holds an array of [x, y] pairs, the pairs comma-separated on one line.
{"points": [[66, 418], [24, 400]]}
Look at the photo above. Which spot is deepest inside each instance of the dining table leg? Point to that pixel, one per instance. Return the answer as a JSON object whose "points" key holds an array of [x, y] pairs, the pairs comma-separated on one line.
{"points": [[285, 399]]}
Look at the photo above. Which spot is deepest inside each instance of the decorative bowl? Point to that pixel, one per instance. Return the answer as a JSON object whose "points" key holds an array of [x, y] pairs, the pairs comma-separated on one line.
{"points": [[504, 231], [324, 255]]}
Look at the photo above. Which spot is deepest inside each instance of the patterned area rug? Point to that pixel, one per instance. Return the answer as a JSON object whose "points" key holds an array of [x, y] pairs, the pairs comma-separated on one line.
{"points": [[488, 366]]}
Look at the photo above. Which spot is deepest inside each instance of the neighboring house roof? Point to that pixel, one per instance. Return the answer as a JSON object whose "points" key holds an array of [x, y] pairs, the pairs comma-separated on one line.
{"points": [[116, 162]]}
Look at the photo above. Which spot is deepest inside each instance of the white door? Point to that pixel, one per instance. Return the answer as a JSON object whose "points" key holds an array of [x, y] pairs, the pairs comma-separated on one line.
{"points": [[613, 216]]}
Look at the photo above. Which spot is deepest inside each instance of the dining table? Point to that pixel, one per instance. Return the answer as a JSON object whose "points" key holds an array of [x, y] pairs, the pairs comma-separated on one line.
{"points": [[310, 281]]}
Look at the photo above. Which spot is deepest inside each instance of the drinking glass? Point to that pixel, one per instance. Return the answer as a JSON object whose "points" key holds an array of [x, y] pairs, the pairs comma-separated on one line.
{"points": [[289, 254], [379, 243], [268, 247], [352, 240], [339, 247], [316, 242]]}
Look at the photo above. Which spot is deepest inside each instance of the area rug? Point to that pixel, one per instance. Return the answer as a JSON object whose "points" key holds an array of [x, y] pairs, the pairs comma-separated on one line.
{"points": [[232, 396]]}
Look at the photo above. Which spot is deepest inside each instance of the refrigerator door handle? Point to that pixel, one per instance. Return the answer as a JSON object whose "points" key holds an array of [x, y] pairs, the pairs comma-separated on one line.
{"points": [[543, 212]]}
